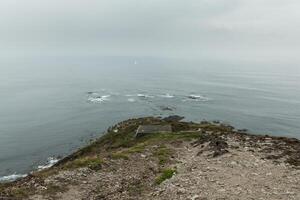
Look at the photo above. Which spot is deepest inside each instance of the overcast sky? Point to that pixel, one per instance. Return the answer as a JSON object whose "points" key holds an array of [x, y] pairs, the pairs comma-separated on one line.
{"points": [[225, 29]]}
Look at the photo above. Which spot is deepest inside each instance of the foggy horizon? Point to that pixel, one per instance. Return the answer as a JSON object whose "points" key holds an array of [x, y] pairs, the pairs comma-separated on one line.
{"points": [[212, 84], [198, 29]]}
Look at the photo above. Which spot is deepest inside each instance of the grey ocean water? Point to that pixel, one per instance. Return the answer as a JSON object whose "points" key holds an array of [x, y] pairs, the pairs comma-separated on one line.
{"points": [[50, 107]]}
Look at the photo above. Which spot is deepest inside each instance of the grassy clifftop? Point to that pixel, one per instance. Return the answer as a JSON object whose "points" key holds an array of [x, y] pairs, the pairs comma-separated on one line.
{"points": [[197, 160]]}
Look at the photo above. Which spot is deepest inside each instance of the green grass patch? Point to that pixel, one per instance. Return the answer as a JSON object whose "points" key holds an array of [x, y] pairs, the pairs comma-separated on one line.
{"points": [[156, 137], [46, 172], [163, 154], [126, 139], [90, 162], [119, 155], [110, 140], [216, 128], [139, 148], [166, 174]]}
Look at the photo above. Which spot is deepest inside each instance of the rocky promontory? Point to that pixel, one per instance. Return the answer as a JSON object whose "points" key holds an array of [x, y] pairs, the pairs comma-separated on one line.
{"points": [[197, 161]]}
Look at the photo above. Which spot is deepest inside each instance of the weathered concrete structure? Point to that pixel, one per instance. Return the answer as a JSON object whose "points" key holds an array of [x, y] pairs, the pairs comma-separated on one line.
{"points": [[149, 129]]}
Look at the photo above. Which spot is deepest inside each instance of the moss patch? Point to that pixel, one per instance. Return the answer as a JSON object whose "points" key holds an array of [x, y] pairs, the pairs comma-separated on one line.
{"points": [[139, 148], [46, 172], [166, 174], [90, 162], [119, 155], [167, 137], [163, 154]]}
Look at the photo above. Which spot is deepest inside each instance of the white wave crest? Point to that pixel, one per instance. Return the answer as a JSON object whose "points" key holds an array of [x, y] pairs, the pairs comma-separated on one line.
{"points": [[194, 97], [98, 99], [144, 96], [167, 95], [131, 100], [50, 162], [12, 177]]}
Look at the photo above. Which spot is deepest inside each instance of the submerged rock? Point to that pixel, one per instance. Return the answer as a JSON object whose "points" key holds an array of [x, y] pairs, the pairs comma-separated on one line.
{"points": [[173, 118]]}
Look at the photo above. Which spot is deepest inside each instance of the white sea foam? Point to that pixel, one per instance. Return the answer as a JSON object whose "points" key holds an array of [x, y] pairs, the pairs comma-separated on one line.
{"points": [[145, 96], [131, 100], [98, 99], [139, 95], [9, 178], [194, 97], [50, 162], [167, 95], [105, 96], [12, 177], [92, 93]]}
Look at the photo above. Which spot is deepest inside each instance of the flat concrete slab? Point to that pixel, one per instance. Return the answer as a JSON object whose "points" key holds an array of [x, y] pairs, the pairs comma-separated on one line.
{"points": [[150, 129]]}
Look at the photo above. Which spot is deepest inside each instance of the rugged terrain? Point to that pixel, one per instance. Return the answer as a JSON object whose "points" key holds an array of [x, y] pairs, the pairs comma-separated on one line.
{"points": [[207, 160]]}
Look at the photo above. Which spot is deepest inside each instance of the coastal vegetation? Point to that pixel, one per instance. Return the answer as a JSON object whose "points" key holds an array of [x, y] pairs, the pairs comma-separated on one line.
{"points": [[166, 174], [119, 165]]}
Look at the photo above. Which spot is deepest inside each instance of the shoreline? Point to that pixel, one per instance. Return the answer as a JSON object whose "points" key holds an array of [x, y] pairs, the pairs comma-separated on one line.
{"points": [[51, 161], [216, 139]]}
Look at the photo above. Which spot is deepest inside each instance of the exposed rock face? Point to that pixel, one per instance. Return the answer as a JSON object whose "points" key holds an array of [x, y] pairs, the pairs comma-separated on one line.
{"points": [[173, 118], [206, 161]]}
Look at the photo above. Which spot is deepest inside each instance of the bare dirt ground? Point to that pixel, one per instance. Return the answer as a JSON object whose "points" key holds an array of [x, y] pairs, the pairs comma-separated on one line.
{"points": [[221, 164], [239, 174]]}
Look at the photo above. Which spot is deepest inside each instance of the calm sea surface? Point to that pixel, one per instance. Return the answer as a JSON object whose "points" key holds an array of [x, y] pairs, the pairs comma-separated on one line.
{"points": [[50, 107]]}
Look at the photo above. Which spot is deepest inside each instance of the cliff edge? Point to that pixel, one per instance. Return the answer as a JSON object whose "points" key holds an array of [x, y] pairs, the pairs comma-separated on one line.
{"points": [[204, 161]]}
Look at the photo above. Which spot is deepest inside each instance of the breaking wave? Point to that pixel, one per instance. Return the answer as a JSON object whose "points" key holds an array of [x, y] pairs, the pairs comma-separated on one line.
{"points": [[94, 97], [131, 100], [50, 162], [167, 95], [12, 177], [144, 96], [9, 178], [98, 99], [194, 97]]}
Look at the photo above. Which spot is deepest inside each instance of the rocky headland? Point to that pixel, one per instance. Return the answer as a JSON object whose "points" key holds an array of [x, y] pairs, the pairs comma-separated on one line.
{"points": [[197, 161]]}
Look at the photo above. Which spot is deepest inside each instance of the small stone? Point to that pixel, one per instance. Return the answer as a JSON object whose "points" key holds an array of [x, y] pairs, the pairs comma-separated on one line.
{"points": [[181, 191], [195, 197], [43, 188], [233, 163]]}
